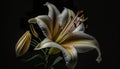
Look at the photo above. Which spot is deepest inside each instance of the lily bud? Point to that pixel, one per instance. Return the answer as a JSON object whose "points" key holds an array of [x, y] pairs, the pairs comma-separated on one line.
{"points": [[23, 44]]}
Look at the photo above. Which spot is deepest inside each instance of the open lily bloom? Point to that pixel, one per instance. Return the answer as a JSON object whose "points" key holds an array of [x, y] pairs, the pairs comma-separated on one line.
{"points": [[65, 32]]}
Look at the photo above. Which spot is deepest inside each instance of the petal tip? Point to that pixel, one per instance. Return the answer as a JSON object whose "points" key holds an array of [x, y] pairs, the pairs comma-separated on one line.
{"points": [[47, 3], [99, 59], [32, 20], [37, 48]]}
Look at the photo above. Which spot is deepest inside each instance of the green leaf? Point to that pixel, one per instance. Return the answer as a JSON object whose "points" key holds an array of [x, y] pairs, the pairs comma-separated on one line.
{"points": [[51, 68], [58, 59], [33, 57], [39, 64]]}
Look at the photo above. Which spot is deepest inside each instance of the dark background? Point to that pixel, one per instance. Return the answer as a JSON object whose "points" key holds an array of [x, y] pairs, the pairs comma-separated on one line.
{"points": [[17, 12]]}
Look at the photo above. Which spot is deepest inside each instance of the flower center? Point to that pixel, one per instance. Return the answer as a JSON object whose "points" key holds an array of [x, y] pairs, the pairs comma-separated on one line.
{"points": [[70, 26]]}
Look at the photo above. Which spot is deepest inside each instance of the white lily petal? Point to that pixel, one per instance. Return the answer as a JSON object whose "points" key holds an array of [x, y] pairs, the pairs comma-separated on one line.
{"points": [[83, 43], [43, 23], [69, 53], [46, 19], [53, 14], [32, 20], [65, 16], [38, 47], [81, 28], [77, 36], [53, 11], [73, 62], [85, 47]]}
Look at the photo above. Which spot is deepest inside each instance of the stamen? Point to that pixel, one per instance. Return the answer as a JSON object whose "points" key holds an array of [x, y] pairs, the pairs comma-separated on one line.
{"points": [[75, 25], [82, 16], [85, 19], [68, 27], [79, 12], [63, 30]]}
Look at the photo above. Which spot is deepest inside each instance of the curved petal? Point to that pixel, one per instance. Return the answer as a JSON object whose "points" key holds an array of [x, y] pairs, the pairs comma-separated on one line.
{"points": [[42, 42], [53, 51], [32, 20], [65, 16], [76, 36], [69, 53], [53, 14], [23, 44], [85, 46], [34, 31], [53, 11], [73, 62], [63, 19], [83, 43], [81, 28], [43, 22], [46, 19]]}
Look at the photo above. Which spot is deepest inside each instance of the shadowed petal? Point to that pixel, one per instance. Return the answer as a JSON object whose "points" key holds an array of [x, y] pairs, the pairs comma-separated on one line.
{"points": [[62, 20], [76, 36], [69, 53], [65, 16], [85, 46], [34, 31], [23, 44], [44, 23], [73, 53], [83, 43], [53, 11], [81, 28], [81, 48], [46, 19], [53, 14]]}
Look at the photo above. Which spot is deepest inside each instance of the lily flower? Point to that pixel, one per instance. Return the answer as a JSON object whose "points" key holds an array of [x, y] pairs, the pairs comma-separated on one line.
{"points": [[65, 32], [23, 44]]}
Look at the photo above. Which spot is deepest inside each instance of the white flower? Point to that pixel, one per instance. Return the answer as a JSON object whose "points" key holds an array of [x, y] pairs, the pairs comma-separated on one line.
{"points": [[65, 32]]}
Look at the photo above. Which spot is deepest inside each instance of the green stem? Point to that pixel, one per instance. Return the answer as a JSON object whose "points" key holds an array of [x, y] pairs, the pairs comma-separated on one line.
{"points": [[35, 41], [39, 39], [46, 58], [33, 45]]}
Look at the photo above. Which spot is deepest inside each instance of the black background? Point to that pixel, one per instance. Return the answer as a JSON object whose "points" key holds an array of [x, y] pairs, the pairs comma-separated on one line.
{"points": [[17, 12]]}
